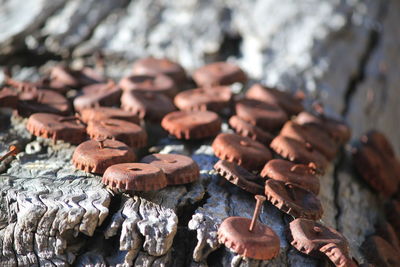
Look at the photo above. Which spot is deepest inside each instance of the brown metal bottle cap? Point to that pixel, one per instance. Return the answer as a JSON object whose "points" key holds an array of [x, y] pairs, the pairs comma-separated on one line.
{"points": [[392, 211], [44, 101], [8, 98], [298, 174], [240, 177], [134, 177], [213, 98], [293, 200], [266, 116], [179, 169], [153, 66], [312, 134], [101, 94], [249, 238], [219, 73], [375, 170], [247, 129], [379, 142], [379, 252], [61, 77], [131, 134], [387, 232], [298, 152], [244, 151], [288, 102], [103, 113], [309, 237], [68, 129], [147, 105], [338, 130], [192, 124], [338, 256], [96, 156], [159, 83]]}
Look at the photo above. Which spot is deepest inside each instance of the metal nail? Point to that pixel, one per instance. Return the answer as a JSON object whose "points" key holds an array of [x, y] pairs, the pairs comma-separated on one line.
{"points": [[12, 151], [260, 200]]}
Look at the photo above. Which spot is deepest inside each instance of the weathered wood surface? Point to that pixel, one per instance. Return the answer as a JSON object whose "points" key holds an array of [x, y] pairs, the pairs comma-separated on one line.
{"points": [[343, 53]]}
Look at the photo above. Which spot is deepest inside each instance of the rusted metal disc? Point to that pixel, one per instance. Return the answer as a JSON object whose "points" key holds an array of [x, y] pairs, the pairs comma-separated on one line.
{"points": [[240, 177], [312, 134], [214, 98], [62, 77], [285, 100], [158, 83], [247, 129], [262, 243], [299, 152], [192, 124], [392, 211], [101, 94], [134, 177], [309, 237], [293, 200], [103, 113], [375, 170], [266, 116], [96, 156], [44, 101], [338, 130], [219, 73], [56, 127], [8, 98], [147, 105], [298, 174], [153, 66], [379, 252], [179, 169], [131, 134], [244, 151]]}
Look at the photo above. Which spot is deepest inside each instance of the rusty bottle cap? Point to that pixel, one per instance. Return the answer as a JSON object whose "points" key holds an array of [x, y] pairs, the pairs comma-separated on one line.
{"points": [[246, 129], [134, 177], [309, 237], [293, 200], [379, 252], [96, 156], [298, 174], [62, 77], [248, 238], [192, 124], [375, 170], [147, 105], [288, 102], [46, 125], [8, 98], [312, 134], [266, 116], [338, 130], [103, 113], [240, 177], [45, 101], [129, 133], [299, 152], [338, 256], [12, 151], [158, 83], [154, 66], [214, 98], [100, 94], [179, 169], [219, 73], [392, 212], [244, 151]]}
